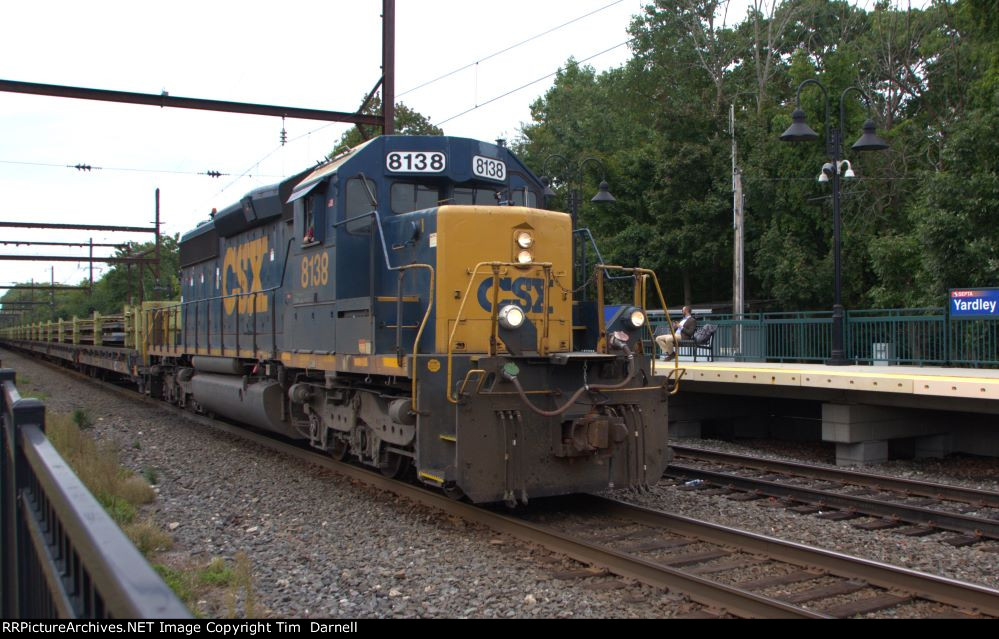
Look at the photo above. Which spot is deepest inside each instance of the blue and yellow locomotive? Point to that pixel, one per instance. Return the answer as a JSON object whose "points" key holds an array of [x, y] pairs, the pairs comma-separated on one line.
{"points": [[408, 304]]}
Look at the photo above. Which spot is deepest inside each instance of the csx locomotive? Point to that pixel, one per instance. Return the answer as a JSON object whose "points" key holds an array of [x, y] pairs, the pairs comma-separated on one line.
{"points": [[408, 305]]}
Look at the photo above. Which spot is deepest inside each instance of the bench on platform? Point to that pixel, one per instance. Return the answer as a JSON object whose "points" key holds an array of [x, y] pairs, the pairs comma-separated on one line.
{"points": [[691, 347]]}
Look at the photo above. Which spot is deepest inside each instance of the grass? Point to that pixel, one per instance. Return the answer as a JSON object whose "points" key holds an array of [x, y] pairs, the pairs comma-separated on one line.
{"points": [[242, 583], [118, 489], [122, 493], [27, 391], [82, 419], [148, 537]]}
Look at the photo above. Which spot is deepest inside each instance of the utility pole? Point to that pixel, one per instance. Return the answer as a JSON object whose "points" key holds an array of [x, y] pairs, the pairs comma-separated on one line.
{"points": [[738, 220], [388, 67], [157, 264]]}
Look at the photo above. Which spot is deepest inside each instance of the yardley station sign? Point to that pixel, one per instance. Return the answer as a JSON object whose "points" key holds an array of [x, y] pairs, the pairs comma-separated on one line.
{"points": [[981, 302]]}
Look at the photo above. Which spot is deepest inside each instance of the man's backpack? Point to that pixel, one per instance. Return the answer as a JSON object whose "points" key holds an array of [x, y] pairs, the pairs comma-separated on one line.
{"points": [[704, 334]]}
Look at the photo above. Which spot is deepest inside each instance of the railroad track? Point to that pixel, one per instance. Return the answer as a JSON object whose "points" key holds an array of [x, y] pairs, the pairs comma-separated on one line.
{"points": [[908, 507], [705, 562]]}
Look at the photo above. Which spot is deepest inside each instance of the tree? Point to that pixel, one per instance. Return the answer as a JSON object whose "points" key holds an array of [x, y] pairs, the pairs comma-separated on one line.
{"points": [[112, 291], [407, 122]]}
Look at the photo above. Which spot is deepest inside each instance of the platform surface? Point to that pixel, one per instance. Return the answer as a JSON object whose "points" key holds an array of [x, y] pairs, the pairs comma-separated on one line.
{"points": [[967, 383]]}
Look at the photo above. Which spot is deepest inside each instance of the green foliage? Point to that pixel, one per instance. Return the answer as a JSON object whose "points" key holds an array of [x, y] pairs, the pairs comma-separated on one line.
{"points": [[82, 419], [151, 475], [180, 581], [407, 122], [919, 220], [217, 573], [120, 285]]}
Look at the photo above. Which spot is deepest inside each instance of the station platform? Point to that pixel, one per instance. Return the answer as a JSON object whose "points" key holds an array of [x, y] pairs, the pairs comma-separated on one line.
{"points": [[863, 408]]}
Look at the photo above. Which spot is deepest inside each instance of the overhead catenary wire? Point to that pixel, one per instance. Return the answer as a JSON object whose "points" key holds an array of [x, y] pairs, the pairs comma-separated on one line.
{"points": [[509, 48], [524, 86], [287, 141], [88, 168]]}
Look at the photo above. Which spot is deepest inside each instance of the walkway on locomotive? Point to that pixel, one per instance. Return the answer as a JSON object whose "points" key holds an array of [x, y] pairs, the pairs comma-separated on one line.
{"points": [[298, 268]]}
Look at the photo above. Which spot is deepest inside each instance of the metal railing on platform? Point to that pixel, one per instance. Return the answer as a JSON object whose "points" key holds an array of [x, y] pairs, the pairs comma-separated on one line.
{"points": [[61, 554], [907, 336]]}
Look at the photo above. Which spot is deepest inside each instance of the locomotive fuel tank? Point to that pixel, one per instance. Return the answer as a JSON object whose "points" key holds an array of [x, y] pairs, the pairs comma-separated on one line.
{"points": [[259, 403]]}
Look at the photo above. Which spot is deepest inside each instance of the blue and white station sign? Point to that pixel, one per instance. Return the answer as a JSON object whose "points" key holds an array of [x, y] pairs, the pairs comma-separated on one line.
{"points": [[978, 302]]}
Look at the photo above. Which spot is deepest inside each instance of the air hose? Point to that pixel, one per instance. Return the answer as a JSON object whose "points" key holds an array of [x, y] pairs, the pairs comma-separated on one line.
{"points": [[511, 371]]}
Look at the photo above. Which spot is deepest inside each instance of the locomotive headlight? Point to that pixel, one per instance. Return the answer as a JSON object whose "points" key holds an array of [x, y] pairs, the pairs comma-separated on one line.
{"points": [[511, 317], [525, 257], [637, 318], [525, 240]]}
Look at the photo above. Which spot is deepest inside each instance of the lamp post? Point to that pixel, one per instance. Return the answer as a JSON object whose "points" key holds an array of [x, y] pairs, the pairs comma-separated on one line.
{"points": [[572, 176], [799, 131]]}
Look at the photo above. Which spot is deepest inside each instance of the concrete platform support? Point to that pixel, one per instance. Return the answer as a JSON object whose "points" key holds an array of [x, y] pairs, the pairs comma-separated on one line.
{"points": [[861, 433], [934, 446], [685, 430], [862, 453], [692, 413]]}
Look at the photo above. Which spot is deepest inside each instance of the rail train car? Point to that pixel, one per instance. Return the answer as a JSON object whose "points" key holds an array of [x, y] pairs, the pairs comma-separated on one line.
{"points": [[409, 305]]}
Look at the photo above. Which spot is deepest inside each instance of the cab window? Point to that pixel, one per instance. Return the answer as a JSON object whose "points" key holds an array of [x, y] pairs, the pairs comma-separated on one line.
{"points": [[474, 196], [309, 221], [413, 197], [524, 197], [358, 202], [312, 214]]}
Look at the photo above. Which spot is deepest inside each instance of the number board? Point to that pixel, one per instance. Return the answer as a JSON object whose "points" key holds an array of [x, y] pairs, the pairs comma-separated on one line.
{"points": [[489, 168], [416, 162]]}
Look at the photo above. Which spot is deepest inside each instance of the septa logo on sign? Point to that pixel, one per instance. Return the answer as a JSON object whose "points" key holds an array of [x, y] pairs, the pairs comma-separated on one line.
{"points": [[981, 302]]}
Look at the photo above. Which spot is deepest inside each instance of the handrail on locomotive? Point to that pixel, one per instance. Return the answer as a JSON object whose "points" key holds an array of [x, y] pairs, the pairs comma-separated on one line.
{"points": [[640, 300]]}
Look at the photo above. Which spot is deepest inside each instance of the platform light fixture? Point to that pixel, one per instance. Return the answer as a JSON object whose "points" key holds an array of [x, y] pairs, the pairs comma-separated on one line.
{"points": [[799, 131]]}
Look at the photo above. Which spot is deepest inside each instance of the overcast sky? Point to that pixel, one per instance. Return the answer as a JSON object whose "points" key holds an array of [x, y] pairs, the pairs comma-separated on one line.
{"points": [[324, 55]]}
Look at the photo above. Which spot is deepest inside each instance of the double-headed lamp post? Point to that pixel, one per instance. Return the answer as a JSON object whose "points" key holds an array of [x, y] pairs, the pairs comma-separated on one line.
{"points": [[572, 176], [799, 131]]}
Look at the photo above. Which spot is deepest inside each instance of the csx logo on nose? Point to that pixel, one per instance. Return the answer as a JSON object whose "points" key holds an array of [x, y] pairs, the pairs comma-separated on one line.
{"points": [[529, 293]]}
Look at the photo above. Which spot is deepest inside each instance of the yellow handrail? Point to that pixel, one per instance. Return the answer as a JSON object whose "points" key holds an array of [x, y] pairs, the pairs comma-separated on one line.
{"points": [[495, 266]]}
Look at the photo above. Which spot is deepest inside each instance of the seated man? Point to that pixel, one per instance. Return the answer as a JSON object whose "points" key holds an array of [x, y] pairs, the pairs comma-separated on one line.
{"points": [[684, 329]]}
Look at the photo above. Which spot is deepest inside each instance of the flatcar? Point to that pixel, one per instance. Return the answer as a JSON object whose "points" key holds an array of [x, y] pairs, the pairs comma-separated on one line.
{"points": [[409, 305]]}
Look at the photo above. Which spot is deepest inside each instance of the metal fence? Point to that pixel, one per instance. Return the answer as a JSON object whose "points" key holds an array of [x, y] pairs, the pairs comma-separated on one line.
{"points": [[61, 554], [909, 336]]}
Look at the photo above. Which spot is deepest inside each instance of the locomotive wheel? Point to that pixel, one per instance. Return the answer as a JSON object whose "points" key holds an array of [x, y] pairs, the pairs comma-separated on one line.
{"points": [[452, 491], [395, 465], [339, 450]]}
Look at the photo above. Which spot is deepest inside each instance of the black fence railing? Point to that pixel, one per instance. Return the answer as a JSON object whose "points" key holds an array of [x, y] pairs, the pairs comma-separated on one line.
{"points": [[61, 554]]}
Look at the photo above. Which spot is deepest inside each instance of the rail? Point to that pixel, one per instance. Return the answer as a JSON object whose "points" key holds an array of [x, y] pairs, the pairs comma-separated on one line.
{"points": [[61, 554]]}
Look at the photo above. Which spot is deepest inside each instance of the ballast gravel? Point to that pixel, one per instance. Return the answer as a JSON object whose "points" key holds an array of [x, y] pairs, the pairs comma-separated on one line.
{"points": [[978, 563], [323, 546]]}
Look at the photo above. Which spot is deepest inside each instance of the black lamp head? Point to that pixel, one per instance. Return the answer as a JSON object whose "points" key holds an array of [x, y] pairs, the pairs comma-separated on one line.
{"points": [[870, 140], [603, 196], [547, 183], [799, 131]]}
